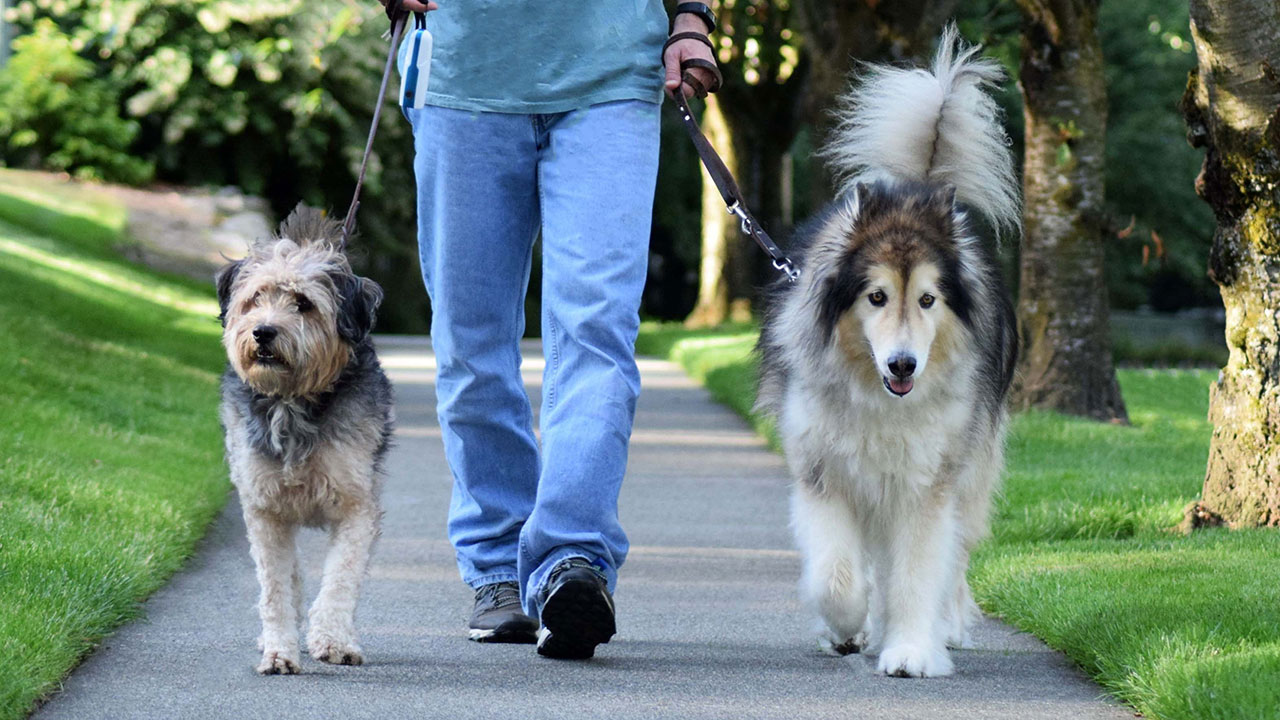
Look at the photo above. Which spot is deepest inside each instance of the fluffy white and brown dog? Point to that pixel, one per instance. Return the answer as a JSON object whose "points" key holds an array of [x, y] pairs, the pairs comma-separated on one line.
{"points": [[307, 413], [887, 364]]}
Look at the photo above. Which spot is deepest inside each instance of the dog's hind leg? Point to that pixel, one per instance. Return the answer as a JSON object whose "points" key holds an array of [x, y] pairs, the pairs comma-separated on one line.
{"points": [[331, 635], [834, 581], [973, 510], [271, 543], [961, 613], [922, 560]]}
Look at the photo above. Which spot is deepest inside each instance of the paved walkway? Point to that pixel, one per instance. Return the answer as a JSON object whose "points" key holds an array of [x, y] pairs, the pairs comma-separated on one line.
{"points": [[709, 625]]}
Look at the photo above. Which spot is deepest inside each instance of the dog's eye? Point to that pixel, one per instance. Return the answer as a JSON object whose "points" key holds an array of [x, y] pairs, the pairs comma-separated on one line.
{"points": [[304, 305], [926, 301], [877, 298]]}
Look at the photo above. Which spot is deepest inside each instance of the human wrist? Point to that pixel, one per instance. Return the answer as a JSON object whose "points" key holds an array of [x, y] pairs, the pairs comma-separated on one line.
{"points": [[687, 22], [700, 10]]}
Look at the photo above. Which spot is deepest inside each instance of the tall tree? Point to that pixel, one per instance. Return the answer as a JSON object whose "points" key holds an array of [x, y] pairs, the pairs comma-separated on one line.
{"points": [[1232, 106], [760, 103], [1063, 315]]}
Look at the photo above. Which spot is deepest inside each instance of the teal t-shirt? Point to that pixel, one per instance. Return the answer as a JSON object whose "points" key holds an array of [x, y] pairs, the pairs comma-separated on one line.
{"points": [[521, 56]]}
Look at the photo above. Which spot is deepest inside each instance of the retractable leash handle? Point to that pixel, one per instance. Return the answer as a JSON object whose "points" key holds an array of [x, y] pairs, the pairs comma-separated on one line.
{"points": [[729, 190], [398, 18]]}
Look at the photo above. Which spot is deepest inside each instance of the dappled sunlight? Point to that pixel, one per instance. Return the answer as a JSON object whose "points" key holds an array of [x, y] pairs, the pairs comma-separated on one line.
{"points": [[96, 273], [64, 197]]}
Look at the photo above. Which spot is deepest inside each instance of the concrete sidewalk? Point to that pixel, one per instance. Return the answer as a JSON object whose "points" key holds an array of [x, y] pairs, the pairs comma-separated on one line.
{"points": [[709, 624]]}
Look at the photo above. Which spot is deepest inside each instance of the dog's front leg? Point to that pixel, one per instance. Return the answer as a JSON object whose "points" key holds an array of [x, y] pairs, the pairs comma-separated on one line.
{"points": [[271, 543], [834, 579], [331, 636], [919, 574]]}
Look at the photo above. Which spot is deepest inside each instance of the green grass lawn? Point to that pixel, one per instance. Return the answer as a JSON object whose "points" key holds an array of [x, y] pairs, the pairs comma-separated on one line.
{"points": [[1083, 554], [110, 450]]}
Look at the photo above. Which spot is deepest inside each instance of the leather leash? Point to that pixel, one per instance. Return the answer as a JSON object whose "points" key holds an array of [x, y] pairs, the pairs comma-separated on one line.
{"points": [[729, 191], [398, 19]]}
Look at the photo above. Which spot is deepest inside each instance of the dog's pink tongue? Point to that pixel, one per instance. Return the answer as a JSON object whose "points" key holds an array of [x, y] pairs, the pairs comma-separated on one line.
{"points": [[902, 387]]}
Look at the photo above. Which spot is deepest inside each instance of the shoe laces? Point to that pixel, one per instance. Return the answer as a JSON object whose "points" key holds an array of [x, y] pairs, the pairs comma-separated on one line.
{"points": [[499, 594], [569, 564]]}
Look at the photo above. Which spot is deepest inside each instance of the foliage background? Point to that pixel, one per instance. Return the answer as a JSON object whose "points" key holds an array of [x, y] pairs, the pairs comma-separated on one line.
{"points": [[276, 97]]}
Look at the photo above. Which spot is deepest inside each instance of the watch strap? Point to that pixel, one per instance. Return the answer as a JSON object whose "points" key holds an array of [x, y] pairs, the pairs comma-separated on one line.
{"points": [[699, 9]]}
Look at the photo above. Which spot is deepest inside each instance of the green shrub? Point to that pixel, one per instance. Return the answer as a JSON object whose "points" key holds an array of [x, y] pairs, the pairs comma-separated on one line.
{"points": [[56, 113]]}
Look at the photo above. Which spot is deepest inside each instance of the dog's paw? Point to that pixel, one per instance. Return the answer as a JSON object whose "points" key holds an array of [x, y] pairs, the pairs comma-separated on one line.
{"points": [[959, 638], [914, 661], [278, 663], [328, 650], [831, 645]]}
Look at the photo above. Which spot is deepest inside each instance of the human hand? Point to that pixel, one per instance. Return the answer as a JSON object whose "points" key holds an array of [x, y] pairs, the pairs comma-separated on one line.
{"points": [[414, 5], [681, 50]]}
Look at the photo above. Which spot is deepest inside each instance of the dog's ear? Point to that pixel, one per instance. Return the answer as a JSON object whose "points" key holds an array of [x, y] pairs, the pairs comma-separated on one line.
{"points": [[225, 280], [862, 193], [359, 299]]}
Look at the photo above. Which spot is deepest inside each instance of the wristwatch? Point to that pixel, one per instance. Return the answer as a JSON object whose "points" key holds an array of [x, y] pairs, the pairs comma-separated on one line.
{"points": [[699, 9]]}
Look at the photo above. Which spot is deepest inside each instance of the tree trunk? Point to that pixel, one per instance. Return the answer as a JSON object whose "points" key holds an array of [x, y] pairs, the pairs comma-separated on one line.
{"points": [[1063, 322], [718, 234], [1232, 106]]}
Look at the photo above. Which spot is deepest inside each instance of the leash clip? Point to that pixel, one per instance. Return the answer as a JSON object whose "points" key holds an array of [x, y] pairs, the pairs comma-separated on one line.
{"points": [[786, 268], [745, 220]]}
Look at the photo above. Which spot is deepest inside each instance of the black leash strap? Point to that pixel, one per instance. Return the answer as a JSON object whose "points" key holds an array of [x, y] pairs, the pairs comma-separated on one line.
{"points": [[398, 19], [728, 187]]}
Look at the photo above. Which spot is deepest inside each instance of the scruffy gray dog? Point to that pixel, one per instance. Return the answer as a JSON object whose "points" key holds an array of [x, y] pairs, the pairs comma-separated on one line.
{"points": [[307, 412]]}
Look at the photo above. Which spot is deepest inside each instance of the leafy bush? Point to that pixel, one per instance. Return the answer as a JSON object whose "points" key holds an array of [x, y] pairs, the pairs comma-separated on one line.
{"points": [[55, 113]]}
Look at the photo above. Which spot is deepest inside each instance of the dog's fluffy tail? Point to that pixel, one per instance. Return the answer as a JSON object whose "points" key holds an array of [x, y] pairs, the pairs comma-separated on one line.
{"points": [[936, 125]]}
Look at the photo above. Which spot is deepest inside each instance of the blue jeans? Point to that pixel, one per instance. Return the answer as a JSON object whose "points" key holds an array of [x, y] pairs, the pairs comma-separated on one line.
{"points": [[487, 183]]}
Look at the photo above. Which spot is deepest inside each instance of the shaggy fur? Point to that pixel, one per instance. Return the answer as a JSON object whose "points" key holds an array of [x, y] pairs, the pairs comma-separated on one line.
{"points": [[887, 364], [307, 412]]}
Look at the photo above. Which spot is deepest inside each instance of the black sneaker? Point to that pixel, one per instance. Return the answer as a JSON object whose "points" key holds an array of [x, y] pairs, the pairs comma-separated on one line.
{"points": [[498, 617], [577, 613]]}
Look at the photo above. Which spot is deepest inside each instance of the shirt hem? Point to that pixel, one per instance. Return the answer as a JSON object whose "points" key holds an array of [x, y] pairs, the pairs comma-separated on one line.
{"points": [[544, 106]]}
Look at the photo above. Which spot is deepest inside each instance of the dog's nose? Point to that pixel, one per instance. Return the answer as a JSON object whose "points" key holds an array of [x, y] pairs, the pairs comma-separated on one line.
{"points": [[264, 334], [902, 365]]}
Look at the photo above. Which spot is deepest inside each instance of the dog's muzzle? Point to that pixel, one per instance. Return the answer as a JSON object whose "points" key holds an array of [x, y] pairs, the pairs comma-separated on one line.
{"points": [[902, 367], [263, 335]]}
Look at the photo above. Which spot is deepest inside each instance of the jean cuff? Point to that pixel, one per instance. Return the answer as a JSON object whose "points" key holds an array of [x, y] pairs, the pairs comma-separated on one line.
{"points": [[495, 577]]}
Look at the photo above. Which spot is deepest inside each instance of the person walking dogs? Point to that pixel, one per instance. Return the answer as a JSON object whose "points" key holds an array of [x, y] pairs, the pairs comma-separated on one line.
{"points": [[542, 117]]}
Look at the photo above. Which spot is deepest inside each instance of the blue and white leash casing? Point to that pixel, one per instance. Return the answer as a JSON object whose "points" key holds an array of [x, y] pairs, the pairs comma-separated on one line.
{"points": [[413, 82]]}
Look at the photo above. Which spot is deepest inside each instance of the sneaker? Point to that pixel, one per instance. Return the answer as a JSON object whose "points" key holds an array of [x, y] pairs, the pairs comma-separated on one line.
{"points": [[498, 617], [577, 613]]}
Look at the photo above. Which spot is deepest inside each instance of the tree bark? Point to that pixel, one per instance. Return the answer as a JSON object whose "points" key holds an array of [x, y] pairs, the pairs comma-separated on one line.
{"points": [[1063, 315], [1232, 107]]}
